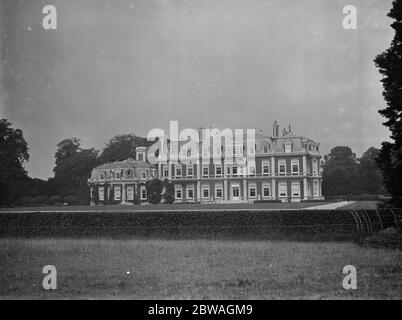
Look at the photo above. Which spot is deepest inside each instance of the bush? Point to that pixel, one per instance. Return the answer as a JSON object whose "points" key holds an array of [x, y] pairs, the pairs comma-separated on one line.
{"points": [[53, 200], [168, 198], [27, 200], [387, 238], [71, 200], [267, 201]]}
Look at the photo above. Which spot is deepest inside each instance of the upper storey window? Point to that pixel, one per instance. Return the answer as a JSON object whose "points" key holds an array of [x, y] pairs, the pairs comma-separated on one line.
{"points": [[141, 156], [288, 147], [266, 148]]}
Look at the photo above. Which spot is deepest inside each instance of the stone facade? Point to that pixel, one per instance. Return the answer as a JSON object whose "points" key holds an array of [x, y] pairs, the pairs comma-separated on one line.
{"points": [[285, 168]]}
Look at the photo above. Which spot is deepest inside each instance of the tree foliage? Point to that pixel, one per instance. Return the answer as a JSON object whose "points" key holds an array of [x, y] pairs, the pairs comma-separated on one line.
{"points": [[122, 147], [344, 174], [13, 154], [390, 67], [154, 190], [73, 168]]}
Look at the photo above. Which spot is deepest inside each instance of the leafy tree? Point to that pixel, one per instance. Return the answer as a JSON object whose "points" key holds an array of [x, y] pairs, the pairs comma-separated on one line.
{"points": [[73, 168], [168, 196], [122, 147], [13, 154], [390, 67], [370, 177], [340, 174], [154, 190]]}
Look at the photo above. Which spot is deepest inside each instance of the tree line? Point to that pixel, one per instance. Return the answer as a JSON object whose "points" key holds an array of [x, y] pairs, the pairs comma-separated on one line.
{"points": [[73, 166]]}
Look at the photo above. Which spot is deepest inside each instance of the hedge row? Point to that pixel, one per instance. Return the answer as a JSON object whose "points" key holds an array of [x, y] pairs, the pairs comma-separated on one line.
{"points": [[274, 225]]}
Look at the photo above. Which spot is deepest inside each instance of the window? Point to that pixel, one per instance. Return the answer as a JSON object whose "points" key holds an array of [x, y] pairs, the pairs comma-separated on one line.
{"points": [[190, 171], [118, 175], [234, 171], [266, 190], [117, 192], [315, 188], [143, 193], [129, 173], [296, 189], [144, 175], [283, 192], [265, 168], [218, 170], [205, 192], [178, 192], [130, 193], [295, 167], [252, 191], [102, 176], [266, 148], [288, 148], [315, 166], [190, 192], [282, 167], [251, 169], [218, 191], [229, 171], [165, 171], [218, 151], [178, 170], [101, 193], [140, 156], [205, 171]]}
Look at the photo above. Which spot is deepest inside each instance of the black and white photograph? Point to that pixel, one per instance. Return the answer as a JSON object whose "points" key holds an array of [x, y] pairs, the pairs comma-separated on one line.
{"points": [[222, 152]]}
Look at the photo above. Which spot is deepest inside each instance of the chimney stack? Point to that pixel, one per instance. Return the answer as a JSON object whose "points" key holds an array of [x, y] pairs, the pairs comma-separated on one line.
{"points": [[275, 130]]}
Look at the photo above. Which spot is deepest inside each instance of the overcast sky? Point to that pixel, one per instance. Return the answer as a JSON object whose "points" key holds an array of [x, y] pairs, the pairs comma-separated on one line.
{"points": [[116, 67]]}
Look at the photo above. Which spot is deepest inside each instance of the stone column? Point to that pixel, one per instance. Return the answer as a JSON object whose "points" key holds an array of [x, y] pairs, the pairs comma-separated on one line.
{"points": [[198, 181], [273, 173], [123, 193], [245, 190], [305, 189], [304, 165], [273, 188]]}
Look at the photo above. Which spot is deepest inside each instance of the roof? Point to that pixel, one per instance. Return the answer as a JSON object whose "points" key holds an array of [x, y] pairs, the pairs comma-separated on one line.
{"points": [[129, 163]]}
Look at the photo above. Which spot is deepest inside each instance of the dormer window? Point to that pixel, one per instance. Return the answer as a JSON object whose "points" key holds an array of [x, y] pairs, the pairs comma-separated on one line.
{"points": [[102, 176], [266, 148], [288, 147], [141, 156]]}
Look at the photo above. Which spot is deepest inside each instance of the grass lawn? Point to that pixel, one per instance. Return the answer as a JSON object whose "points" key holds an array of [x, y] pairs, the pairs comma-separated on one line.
{"points": [[196, 269]]}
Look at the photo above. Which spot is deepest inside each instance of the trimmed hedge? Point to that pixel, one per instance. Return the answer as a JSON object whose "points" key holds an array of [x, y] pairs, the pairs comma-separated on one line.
{"points": [[250, 225]]}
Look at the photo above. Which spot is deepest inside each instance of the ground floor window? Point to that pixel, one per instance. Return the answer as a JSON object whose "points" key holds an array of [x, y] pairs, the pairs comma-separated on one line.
{"points": [[296, 189], [205, 192], [190, 192], [117, 192], [143, 193], [266, 190], [101, 193], [283, 192], [130, 193], [252, 191], [218, 191], [178, 192], [315, 188]]}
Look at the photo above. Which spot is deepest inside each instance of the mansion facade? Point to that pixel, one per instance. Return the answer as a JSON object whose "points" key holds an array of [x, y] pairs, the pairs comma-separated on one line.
{"points": [[285, 167]]}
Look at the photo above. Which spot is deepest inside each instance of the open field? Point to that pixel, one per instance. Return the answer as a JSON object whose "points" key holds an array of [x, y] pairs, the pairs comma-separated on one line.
{"points": [[197, 269]]}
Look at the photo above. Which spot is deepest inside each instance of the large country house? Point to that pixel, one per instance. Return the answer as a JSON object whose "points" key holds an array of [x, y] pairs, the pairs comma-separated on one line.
{"points": [[285, 167]]}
